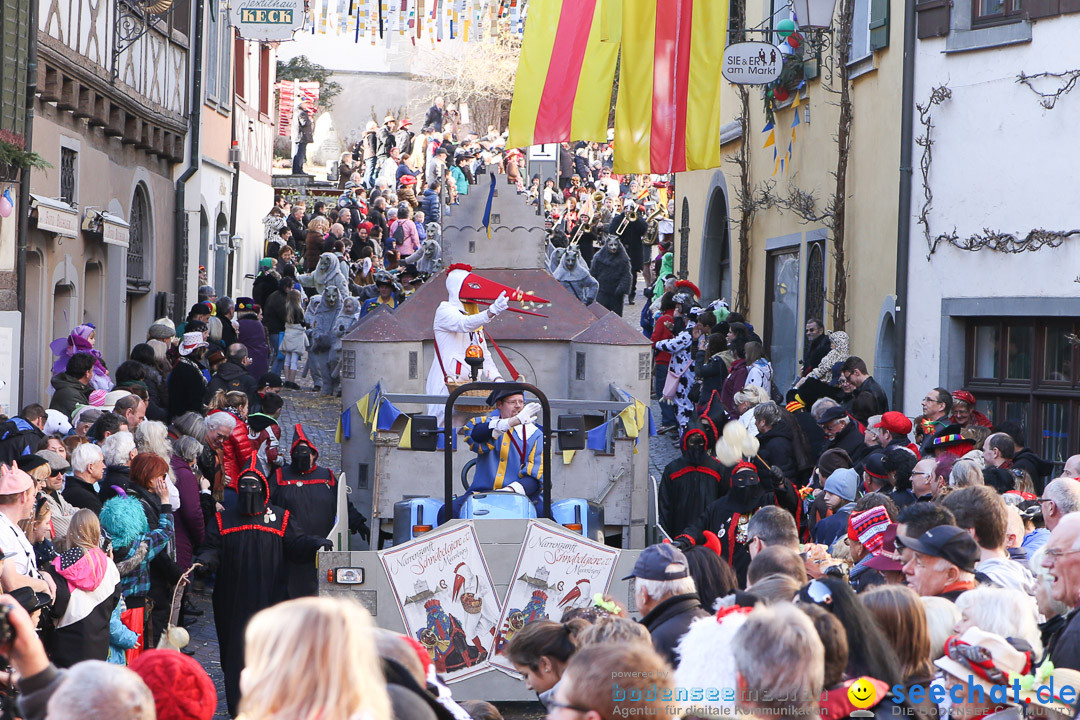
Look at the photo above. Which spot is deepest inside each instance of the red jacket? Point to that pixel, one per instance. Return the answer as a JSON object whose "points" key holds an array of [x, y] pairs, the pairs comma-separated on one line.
{"points": [[237, 450], [661, 332]]}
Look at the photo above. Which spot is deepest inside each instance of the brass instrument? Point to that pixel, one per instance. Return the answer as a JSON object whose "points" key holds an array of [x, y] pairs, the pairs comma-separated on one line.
{"points": [[587, 225], [598, 197], [628, 217], [652, 233]]}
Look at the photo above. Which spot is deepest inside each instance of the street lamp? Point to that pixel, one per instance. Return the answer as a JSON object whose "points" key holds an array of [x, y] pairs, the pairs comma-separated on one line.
{"points": [[814, 14], [815, 22], [223, 240]]}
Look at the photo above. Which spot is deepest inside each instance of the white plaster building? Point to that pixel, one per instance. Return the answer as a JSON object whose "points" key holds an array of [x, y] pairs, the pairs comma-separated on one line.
{"points": [[994, 322]]}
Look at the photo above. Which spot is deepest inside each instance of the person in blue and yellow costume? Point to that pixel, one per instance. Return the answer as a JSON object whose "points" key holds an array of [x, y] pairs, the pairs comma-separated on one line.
{"points": [[509, 448]]}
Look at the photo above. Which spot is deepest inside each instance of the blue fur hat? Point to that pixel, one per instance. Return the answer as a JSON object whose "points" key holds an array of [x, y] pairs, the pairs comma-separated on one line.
{"points": [[123, 518]]}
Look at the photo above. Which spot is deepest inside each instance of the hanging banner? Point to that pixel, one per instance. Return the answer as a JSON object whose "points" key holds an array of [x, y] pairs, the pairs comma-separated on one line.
{"points": [[291, 92], [267, 20], [447, 599], [556, 570]]}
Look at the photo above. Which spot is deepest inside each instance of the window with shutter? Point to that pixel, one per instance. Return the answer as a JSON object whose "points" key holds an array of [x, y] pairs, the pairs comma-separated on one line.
{"points": [[879, 24], [225, 73], [213, 28], [1040, 8], [932, 18]]}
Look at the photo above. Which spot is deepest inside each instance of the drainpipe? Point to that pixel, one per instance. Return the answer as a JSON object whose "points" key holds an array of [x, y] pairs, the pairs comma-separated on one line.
{"points": [[903, 225], [24, 192], [180, 246], [235, 187]]}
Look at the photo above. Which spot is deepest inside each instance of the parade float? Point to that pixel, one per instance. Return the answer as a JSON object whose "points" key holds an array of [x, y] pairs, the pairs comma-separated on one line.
{"points": [[462, 588]]}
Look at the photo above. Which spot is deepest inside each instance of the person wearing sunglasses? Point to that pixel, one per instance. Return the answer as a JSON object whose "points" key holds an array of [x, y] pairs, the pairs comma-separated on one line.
{"points": [[62, 510]]}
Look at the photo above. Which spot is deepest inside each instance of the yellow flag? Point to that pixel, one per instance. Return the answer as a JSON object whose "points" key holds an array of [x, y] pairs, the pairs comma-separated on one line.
{"points": [[567, 456], [362, 407], [405, 443]]}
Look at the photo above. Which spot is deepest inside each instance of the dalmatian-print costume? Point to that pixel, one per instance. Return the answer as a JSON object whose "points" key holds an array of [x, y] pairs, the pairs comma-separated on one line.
{"points": [[682, 361]]}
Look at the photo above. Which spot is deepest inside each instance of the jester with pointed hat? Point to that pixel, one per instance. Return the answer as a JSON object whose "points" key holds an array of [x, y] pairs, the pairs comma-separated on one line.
{"points": [[459, 329]]}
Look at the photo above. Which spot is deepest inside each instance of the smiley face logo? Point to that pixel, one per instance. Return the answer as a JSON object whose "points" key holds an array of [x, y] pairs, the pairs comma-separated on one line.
{"points": [[861, 693]]}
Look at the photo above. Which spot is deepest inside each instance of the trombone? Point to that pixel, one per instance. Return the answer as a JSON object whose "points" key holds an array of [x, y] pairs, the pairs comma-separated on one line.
{"points": [[628, 217]]}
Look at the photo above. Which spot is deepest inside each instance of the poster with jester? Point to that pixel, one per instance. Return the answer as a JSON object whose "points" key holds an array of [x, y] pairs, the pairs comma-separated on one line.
{"points": [[556, 570], [447, 599]]}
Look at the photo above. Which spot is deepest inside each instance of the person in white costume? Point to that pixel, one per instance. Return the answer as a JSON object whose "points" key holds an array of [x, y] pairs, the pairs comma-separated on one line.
{"points": [[459, 323]]}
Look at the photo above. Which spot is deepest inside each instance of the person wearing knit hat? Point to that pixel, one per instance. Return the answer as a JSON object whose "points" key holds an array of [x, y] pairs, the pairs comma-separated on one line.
{"points": [[182, 690], [160, 331], [866, 536], [840, 490]]}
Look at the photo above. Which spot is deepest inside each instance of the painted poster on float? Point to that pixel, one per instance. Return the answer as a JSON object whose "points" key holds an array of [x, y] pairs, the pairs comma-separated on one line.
{"points": [[556, 570], [444, 590]]}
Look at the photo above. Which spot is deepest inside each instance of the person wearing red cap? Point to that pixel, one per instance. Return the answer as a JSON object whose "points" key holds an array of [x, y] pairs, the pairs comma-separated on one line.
{"points": [[964, 412], [181, 688], [893, 431], [406, 190]]}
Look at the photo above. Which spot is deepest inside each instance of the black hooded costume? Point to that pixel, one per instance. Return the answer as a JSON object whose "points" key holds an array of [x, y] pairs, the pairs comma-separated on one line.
{"points": [[611, 269], [729, 517], [691, 482], [309, 494], [248, 546]]}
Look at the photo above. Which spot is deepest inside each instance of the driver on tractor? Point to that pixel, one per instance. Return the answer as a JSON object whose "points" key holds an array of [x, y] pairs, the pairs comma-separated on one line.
{"points": [[509, 448]]}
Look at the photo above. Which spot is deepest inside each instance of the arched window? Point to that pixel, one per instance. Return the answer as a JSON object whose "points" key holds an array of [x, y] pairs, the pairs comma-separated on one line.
{"points": [[139, 235]]}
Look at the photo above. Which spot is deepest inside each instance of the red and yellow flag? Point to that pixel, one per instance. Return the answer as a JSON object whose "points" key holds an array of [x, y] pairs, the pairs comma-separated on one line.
{"points": [[667, 118], [562, 90]]}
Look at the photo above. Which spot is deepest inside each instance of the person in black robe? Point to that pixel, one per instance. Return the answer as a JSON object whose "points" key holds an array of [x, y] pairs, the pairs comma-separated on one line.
{"points": [[690, 482], [729, 517], [248, 546], [309, 493]]}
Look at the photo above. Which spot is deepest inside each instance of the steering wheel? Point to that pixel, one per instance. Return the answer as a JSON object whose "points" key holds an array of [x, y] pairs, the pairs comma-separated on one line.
{"points": [[465, 473]]}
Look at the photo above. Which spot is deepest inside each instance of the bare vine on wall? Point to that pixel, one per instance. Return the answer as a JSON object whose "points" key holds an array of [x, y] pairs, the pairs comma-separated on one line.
{"points": [[743, 192], [1066, 81], [926, 141], [803, 204], [838, 204], [988, 239]]}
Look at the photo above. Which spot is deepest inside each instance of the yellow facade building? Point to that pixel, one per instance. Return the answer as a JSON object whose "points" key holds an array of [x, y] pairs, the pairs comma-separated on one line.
{"points": [[791, 261]]}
